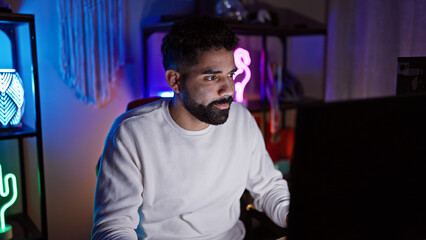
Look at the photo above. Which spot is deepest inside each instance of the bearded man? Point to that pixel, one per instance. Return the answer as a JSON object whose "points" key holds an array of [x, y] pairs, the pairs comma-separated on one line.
{"points": [[176, 168]]}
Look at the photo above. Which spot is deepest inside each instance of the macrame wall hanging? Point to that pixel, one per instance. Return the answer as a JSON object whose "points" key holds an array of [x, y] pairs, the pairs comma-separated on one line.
{"points": [[92, 46]]}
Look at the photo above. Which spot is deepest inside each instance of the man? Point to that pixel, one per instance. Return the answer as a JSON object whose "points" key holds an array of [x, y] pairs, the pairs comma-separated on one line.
{"points": [[176, 169]]}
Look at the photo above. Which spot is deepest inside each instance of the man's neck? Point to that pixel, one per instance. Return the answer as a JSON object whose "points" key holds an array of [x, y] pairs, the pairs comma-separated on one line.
{"points": [[183, 118]]}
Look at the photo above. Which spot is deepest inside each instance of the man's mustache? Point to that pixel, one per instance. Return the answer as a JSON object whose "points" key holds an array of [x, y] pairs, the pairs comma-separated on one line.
{"points": [[227, 100]]}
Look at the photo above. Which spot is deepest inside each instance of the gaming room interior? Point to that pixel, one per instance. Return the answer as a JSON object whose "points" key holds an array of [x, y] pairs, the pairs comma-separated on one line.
{"points": [[337, 89]]}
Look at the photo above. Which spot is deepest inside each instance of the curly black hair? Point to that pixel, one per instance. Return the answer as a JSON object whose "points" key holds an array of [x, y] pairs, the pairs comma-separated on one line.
{"points": [[191, 36]]}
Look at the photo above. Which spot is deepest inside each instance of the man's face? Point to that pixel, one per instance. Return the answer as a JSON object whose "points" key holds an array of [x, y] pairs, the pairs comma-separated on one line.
{"points": [[208, 89]]}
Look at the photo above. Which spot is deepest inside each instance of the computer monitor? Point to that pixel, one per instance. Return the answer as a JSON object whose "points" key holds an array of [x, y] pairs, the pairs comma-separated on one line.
{"points": [[359, 170]]}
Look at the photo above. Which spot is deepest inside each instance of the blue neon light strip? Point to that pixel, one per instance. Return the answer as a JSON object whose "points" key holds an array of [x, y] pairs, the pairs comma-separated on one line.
{"points": [[166, 94]]}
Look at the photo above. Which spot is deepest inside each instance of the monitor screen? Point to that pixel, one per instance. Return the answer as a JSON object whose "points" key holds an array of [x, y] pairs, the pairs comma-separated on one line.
{"points": [[359, 170]]}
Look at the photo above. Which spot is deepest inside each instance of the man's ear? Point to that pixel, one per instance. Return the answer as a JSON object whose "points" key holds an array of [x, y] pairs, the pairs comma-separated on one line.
{"points": [[174, 80]]}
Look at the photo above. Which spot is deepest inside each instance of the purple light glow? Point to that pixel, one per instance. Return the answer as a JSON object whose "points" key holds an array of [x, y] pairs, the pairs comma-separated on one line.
{"points": [[242, 61]]}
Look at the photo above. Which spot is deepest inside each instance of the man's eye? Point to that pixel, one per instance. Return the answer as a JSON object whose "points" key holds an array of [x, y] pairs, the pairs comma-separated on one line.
{"points": [[231, 75], [211, 78]]}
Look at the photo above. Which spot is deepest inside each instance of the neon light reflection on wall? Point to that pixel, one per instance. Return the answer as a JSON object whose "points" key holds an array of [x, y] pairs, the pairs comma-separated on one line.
{"points": [[242, 61]]}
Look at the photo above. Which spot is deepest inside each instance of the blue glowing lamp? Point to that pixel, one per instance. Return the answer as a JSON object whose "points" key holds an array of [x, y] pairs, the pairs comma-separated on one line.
{"points": [[11, 100]]}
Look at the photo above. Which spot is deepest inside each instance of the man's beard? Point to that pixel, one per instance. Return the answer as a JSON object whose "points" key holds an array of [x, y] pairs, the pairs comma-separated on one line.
{"points": [[208, 114]]}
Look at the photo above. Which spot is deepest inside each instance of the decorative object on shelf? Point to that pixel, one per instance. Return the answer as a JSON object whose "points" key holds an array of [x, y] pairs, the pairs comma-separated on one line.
{"points": [[291, 89], [9, 179], [92, 46], [231, 10], [11, 100], [242, 61], [274, 77], [263, 13], [263, 16]]}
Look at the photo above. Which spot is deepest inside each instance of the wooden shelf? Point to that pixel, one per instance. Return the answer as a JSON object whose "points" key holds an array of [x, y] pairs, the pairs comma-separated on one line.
{"points": [[251, 29], [20, 29], [25, 131]]}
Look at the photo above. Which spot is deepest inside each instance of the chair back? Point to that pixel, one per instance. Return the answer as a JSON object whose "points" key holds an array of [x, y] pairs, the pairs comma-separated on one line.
{"points": [[142, 101]]}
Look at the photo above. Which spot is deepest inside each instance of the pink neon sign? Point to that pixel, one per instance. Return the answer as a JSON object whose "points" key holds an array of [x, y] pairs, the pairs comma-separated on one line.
{"points": [[242, 61]]}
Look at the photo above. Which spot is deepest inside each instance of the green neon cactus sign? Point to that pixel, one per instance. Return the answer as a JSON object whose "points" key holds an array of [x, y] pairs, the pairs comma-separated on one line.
{"points": [[5, 192]]}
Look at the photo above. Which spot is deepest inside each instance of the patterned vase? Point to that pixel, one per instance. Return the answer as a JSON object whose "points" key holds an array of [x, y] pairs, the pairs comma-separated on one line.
{"points": [[11, 100]]}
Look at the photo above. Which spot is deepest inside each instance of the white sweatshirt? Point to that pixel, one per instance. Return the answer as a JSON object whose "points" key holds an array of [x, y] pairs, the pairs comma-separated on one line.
{"points": [[160, 181]]}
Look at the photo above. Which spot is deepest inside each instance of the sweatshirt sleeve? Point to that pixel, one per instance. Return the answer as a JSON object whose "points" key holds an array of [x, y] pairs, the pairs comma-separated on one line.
{"points": [[118, 194], [265, 183]]}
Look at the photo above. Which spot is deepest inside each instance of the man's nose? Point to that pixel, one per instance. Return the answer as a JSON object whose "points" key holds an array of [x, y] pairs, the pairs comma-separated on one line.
{"points": [[227, 87]]}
